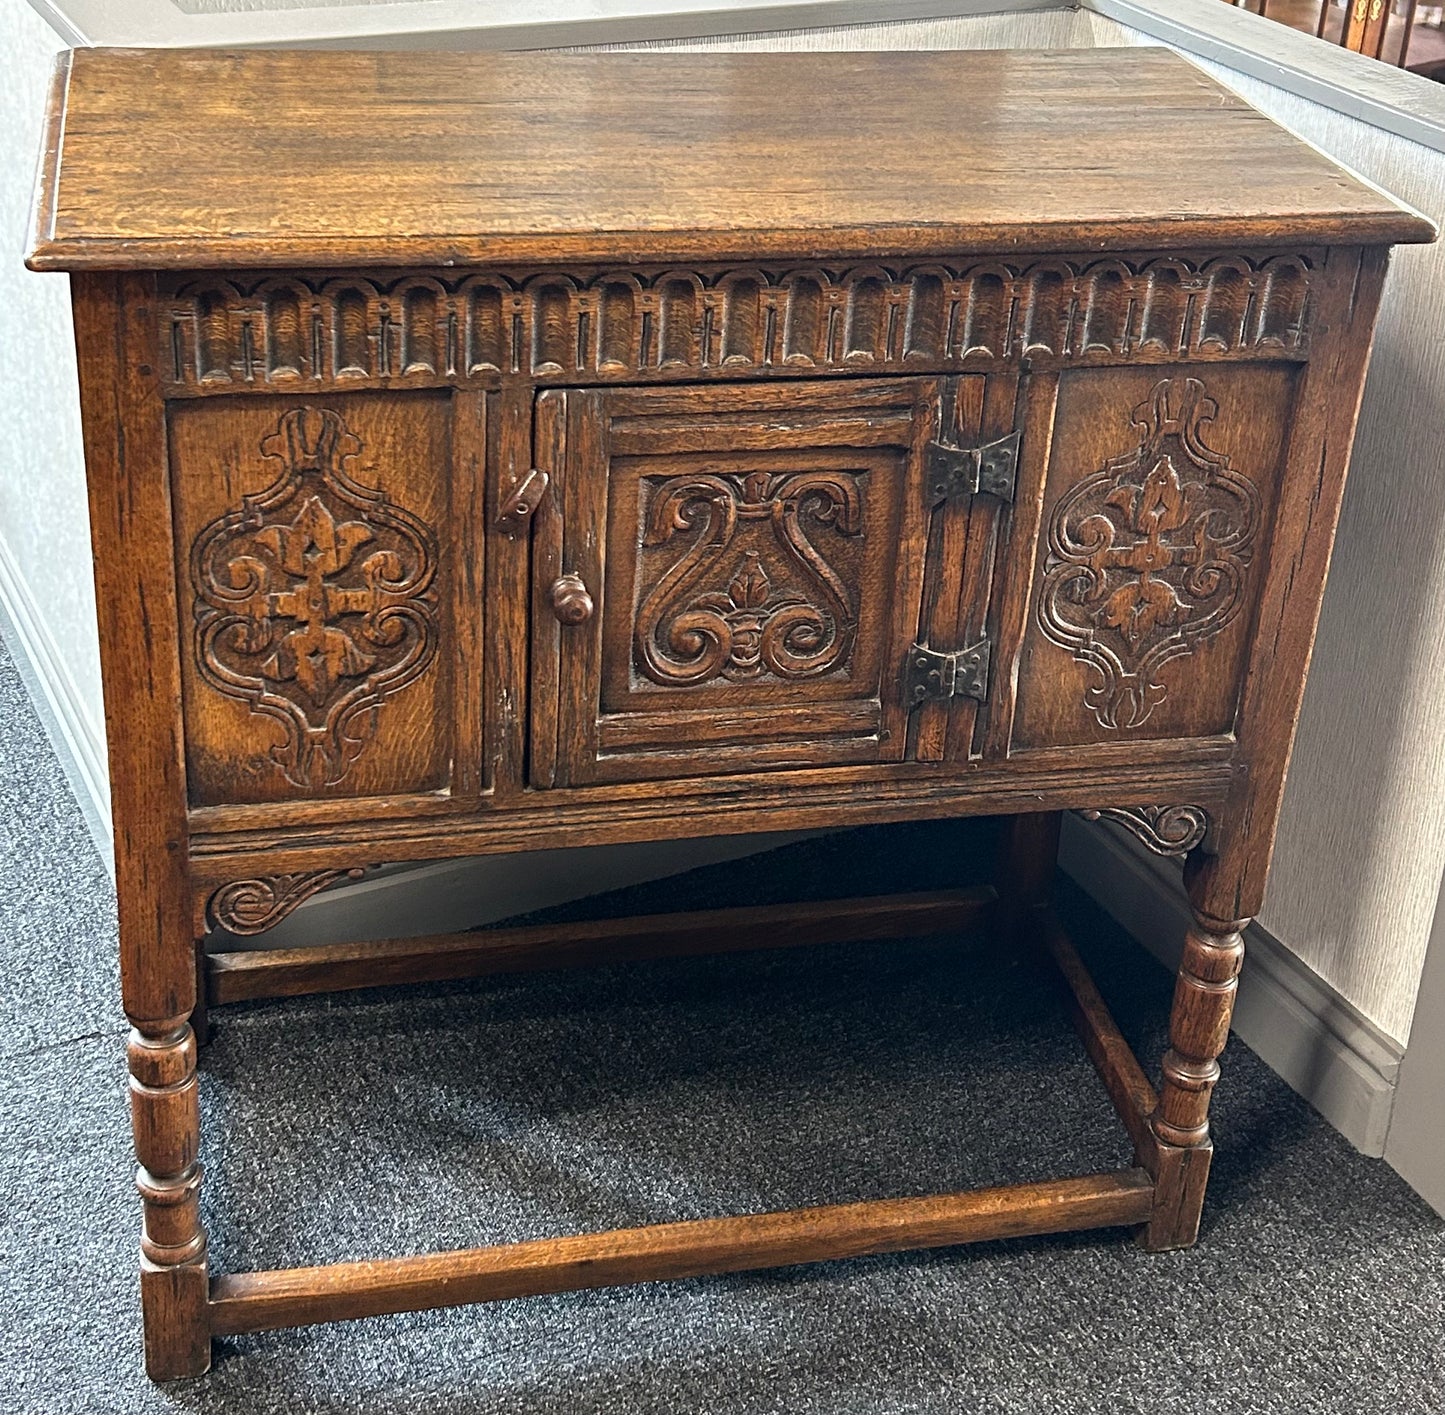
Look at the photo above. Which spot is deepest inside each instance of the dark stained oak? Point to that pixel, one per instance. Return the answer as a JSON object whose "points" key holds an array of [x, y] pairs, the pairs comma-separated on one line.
{"points": [[185, 159], [261, 1301], [247, 974], [491, 453], [123, 424]]}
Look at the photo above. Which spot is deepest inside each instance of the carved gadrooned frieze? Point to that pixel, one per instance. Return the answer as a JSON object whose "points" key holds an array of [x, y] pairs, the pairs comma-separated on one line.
{"points": [[314, 600], [1147, 557], [750, 594], [269, 331]]}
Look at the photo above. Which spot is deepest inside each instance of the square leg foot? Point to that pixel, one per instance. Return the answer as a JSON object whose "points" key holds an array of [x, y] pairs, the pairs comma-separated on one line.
{"points": [[174, 1301], [1179, 1185]]}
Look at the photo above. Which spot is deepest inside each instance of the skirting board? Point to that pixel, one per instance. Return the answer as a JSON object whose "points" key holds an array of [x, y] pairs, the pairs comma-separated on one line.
{"points": [[1334, 1057], [454, 895], [78, 743]]}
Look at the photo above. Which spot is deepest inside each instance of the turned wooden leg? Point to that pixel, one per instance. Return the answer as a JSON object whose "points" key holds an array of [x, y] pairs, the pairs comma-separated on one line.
{"points": [[1027, 861], [124, 419], [166, 1119], [1198, 1029]]}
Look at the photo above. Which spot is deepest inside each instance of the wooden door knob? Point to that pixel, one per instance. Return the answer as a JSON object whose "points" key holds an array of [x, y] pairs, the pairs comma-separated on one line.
{"points": [[570, 601]]}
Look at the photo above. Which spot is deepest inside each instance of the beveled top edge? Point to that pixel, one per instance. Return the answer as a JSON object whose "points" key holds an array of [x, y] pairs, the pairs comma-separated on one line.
{"points": [[515, 157]]}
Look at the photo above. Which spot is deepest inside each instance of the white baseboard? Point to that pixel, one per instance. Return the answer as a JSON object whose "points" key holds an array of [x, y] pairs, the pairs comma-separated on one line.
{"points": [[454, 895], [1331, 1054], [79, 742]]}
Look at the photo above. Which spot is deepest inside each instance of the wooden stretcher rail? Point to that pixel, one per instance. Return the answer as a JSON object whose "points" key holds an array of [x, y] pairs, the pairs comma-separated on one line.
{"points": [[262, 1301], [249, 974], [1129, 1088]]}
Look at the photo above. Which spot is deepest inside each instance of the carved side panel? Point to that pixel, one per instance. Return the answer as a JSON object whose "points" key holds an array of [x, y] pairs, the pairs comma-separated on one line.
{"points": [[1156, 513], [1147, 558], [315, 662], [254, 332]]}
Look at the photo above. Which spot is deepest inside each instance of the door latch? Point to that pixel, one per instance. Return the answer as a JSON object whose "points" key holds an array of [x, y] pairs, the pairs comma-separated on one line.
{"points": [[520, 502]]}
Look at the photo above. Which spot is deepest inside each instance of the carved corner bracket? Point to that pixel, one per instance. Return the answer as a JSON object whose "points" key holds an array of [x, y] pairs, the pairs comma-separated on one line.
{"points": [[251, 906], [1166, 830]]}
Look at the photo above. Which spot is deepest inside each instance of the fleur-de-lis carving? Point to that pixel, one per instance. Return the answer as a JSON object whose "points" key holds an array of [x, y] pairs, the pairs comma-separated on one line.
{"points": [[1146, 560], [314, 547], [1152, 510], [313, 600], [688, 634], [747, 610], [750, 587]]}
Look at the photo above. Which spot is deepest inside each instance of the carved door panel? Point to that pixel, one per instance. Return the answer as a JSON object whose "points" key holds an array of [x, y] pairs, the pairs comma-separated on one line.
{"points": [[317, 563], [729, 579], [1157, 511]]}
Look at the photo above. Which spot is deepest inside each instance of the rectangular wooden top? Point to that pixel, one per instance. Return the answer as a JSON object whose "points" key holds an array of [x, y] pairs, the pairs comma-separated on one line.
{"points": [[191, 158]]}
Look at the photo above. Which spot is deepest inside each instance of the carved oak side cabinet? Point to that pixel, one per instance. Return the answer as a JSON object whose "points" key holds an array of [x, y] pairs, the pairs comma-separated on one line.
{"points": [[491, 451]]}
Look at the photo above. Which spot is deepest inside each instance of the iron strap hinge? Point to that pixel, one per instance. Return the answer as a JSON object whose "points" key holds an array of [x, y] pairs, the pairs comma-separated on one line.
{"points": [[929, 674], [957, 472]]}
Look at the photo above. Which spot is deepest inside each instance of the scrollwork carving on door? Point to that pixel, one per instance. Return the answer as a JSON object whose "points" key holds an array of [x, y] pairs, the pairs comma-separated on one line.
{"points": [[738, 606], [313, 599], [1147, 557]]}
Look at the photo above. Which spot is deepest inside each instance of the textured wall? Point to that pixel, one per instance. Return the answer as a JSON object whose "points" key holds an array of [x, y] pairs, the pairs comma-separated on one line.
{"points": [[1361, 848], [1362, 842], [44, 524], [1042, 29]]}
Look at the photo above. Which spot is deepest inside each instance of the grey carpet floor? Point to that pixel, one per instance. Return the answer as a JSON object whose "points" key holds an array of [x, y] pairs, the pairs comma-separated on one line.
{"points": [[392, 1123]]}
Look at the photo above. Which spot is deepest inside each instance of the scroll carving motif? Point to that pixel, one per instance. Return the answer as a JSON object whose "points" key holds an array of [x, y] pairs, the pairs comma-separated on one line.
{"points": [[1147, 557], [1166, 830], [453, 327], [313, 600], [251, 906], [738, 604]]}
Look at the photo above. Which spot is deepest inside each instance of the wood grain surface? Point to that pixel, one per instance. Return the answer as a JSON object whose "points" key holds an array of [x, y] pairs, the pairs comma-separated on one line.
{"points": [[292, 972], [293, 1297], [176, 158]]}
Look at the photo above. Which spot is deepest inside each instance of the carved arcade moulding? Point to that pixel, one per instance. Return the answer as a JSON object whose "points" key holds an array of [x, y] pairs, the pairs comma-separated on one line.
{"points": [[314, 599], [1147, 556], [451, 327]]}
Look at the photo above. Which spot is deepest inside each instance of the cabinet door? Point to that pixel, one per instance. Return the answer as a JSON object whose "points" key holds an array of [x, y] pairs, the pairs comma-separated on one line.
{"points": [[728, 579]]}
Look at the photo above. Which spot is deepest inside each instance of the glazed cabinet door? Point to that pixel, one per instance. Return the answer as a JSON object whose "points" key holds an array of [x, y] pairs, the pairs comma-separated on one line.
{"points": [[732, 578]]}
